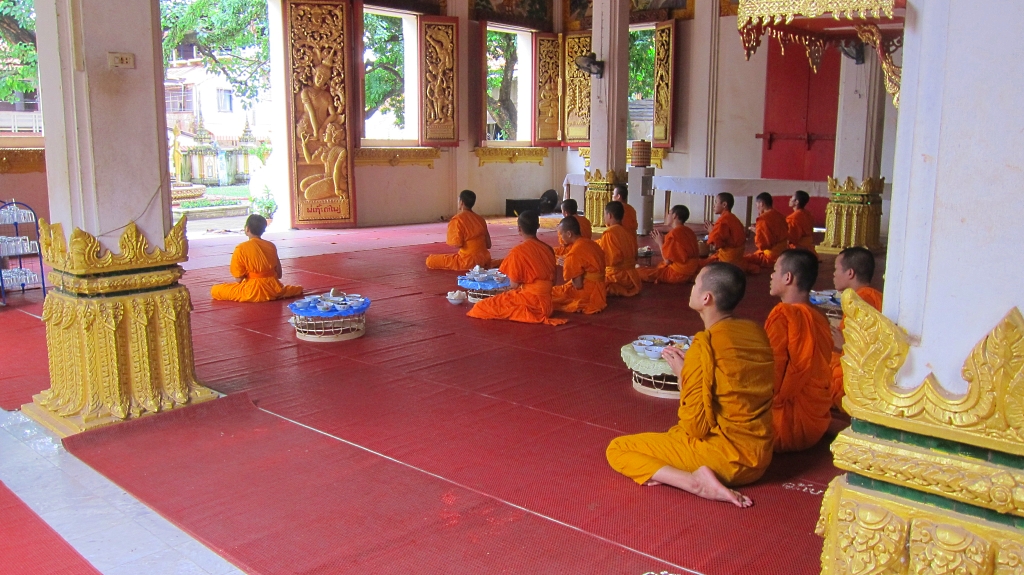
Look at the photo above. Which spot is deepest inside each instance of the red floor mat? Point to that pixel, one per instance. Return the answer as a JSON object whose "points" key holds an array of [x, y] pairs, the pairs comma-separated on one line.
{"points": [[274, 497], [24, 371], [29, 546]]}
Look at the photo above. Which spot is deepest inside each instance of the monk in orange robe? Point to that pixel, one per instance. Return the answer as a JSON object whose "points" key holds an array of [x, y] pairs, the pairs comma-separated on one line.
{"points": [[530, 266], [468, 232], [802, 342], [727, 236], [256, 266], [771, 236], [800, 223], [571, 208], [855, 268], [619, 245], [680, 255], [724, 435], [583, 270], [629, 221]]}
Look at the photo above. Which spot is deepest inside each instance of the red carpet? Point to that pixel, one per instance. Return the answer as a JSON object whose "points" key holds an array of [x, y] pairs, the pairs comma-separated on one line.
{"points": [[23, 370], [29, 546]]}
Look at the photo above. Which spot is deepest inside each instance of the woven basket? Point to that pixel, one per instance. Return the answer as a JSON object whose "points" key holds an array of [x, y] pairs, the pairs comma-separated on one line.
{"points": [[641, 154]]}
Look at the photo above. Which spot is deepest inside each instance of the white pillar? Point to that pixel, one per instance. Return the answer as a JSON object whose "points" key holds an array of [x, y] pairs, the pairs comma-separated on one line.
{"points": [[704, 90], [861, 118], [951, 273], [608, 105], [276, 171], [106, 131]]}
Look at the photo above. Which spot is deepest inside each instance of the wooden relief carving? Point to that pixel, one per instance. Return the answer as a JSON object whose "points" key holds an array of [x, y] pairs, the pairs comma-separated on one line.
{"points": [[321, 136], [577, 90], [664, 63], [438, 81], [548, 130]]}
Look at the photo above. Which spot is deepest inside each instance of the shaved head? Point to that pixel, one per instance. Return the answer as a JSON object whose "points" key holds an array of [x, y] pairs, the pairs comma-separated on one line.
{"points": [[803, 265], [682, 213], [861, 261], [256, 224], [727, 284], [570, 207], [570, 224], [468, 198], [615, 210], [529, 222], [727, 199], [765, 198], [802, 198]]}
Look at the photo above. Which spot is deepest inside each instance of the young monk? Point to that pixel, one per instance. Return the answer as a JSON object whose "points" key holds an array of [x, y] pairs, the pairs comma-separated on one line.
{"points": [[570, 209], [621, 194], [724, 434], [680, 256], [257, 268], [855, 268], [468, 232], [727, 235], [800, 223], [802, 342], [530, 266], [583, 270], [619, 245], [771, 236]]}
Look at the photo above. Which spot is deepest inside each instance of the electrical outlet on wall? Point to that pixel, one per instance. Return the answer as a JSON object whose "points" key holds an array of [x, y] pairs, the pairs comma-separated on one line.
{"points": [[120, 60]]}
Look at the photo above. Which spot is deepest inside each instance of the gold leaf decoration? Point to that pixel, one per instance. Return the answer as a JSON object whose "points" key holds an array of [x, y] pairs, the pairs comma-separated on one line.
{"points": [[83, 254], [779, 11]]}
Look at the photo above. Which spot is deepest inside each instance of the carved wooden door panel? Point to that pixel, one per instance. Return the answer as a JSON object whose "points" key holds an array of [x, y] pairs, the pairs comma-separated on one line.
{"points": [[664, 82], [577, 90], [439, 76], [547, 70]]}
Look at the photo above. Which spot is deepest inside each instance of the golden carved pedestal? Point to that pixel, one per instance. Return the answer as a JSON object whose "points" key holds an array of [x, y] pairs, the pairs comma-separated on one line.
{"points": [[599, 193], [935, 482], [853, 216], [118, 335]]}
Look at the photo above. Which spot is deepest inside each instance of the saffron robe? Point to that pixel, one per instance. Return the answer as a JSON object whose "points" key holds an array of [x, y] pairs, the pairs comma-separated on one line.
{"points": [[874, 298], [801, 230], [681, 258], [802, 342], [771, 237], [468, 232], [725, 411], [729, 237], [586, 231], [530, 264], [630, 223], [620, 275], [587, 258], [256, 263]]}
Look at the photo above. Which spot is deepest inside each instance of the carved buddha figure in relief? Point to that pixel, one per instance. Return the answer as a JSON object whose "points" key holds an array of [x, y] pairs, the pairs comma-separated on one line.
{"points": [[333, 182], [318, 108]]}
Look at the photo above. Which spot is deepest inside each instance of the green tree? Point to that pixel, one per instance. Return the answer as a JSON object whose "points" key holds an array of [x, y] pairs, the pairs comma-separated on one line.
{"points": [[641, 64], [18, 64], [384, 64], [502, 58]]}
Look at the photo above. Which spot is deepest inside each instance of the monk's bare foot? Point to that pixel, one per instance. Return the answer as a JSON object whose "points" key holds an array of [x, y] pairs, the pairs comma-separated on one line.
{"points": [[651, 483], [708, 486]]}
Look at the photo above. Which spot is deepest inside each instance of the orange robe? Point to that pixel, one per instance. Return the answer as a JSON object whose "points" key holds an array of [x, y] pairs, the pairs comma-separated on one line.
{"points": [[729, 237], [801, 230], [587, 258], [256, 262], [586, 231], [681, 257], [802, 342], [630, 222], [620, 275], [531, 264], [771, 237], [725, 415], [874, 298], [468, 232]]}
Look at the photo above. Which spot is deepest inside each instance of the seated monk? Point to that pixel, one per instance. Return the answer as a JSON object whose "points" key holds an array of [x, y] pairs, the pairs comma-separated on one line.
{"points": [[468, 232], [771, 236], [727, 236], [257, 268], [619, 245], [802, 342], [583, 270], [724, 434], [571, 208], [800, 223], [855, 268], [680, 256], [621, 194], [530, 266]]}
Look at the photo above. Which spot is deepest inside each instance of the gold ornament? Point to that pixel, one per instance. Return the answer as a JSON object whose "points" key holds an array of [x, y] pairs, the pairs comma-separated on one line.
{"points": [[658, 156], [549, 105], [439, 97], [853, 216], [499, 155], [82, 254], [397, 156], [22, 160], [872, 36], [779, 11], [577, 89], [664, 59]]}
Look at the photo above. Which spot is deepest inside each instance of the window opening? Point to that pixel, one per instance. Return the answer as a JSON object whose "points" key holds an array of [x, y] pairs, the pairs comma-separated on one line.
{"points": [[509, 93], [640, 124], [391, 99], [224, 101]]}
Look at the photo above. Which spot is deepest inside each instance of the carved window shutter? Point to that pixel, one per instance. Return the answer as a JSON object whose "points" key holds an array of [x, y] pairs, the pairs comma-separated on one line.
{"points": [[664, 83], [547, 69], [577, 90], [439, 105]]}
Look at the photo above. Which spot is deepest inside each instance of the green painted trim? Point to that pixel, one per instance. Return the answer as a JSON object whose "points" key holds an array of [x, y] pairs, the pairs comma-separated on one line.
{"points": [[942, 445]]}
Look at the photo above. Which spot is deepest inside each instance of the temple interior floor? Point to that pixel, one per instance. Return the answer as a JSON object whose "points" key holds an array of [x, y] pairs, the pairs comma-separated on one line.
{"points": [[570, 374]]}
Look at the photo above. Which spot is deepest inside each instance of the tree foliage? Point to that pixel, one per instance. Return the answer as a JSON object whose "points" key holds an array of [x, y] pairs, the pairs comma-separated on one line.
{"points": [[502, 58], [384, 64], [18, 64], [641, 64]]}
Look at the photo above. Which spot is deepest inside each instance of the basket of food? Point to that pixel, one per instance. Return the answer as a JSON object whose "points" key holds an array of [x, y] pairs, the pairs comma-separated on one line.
{"points": [[481, 284], [651, 374], [333, 316]]}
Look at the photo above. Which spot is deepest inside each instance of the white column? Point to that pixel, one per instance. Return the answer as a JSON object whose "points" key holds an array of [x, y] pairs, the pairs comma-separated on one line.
{"points": [[276, 171], [608, 106], [951, 273], [704, 91], [861, 118], [106, 132]]}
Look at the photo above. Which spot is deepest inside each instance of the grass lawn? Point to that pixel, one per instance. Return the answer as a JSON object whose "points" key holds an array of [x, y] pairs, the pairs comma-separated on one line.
{"points": [[239, 191]]}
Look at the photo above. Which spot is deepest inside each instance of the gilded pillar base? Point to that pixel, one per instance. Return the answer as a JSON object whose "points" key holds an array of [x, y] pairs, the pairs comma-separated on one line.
{"points": [[118, 332], [853, 216], [599, 193]]}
